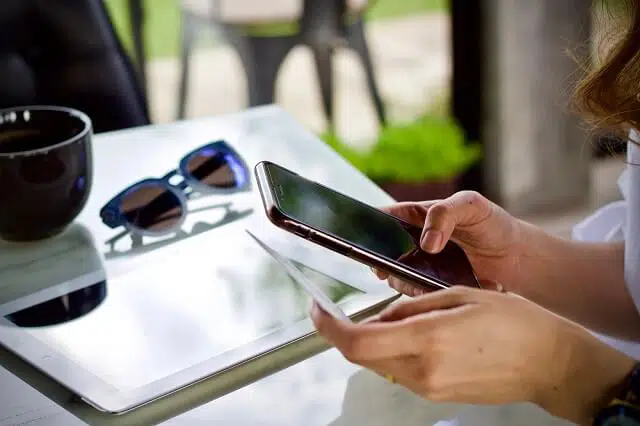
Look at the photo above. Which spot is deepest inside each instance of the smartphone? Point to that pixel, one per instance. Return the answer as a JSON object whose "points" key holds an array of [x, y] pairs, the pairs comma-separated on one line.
{"points": [[357, 230]]}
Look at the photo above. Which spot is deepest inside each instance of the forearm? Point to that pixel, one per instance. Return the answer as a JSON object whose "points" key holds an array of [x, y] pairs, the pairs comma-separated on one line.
{"points": [[580, 281]]}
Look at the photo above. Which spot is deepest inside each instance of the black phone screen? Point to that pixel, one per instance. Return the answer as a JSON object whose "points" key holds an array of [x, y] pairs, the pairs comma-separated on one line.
{"points": [[366, 227]]}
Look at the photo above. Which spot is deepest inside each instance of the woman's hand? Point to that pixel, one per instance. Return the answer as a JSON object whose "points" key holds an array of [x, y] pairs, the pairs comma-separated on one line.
{"points": [[490, 236], [476, 346]]}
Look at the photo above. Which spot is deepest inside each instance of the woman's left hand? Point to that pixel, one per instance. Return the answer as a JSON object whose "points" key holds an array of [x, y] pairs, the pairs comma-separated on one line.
{"points": [[485, 347]]}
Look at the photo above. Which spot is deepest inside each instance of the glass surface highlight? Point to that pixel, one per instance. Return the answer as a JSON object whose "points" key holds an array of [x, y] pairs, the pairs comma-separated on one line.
{"points": [[164, 318]]}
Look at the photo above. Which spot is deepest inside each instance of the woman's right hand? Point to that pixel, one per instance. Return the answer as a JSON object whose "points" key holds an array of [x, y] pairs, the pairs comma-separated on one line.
{"points": [[491, 237]]}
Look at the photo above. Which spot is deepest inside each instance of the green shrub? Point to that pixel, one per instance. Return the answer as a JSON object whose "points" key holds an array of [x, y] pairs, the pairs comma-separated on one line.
{"points": [[426, 149]]}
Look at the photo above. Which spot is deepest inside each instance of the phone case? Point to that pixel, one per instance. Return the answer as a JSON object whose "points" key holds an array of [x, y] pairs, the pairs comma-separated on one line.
{"points": [[434, 272]]}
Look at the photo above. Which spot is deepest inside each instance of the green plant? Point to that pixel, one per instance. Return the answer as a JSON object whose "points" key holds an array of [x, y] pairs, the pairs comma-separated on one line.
{"points": [[429, 148]]}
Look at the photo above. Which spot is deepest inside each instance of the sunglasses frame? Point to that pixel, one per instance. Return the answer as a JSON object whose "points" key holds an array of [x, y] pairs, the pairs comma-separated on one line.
{"points": [[112, 216]]}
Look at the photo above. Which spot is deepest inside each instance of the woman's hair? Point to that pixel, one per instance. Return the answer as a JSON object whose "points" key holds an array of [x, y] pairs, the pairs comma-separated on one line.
{"points": [[609, 95]]}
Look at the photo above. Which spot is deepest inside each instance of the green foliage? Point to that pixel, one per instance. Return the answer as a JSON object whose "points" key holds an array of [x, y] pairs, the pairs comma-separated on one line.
{"points": [[430, 148]]}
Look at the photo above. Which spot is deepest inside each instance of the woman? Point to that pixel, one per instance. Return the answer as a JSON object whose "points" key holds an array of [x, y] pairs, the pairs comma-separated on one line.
{"points": [[533, 340]]}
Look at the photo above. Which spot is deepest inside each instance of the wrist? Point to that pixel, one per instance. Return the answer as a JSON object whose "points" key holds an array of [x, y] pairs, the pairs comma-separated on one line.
{"points": [[591, 374], [532, 247]]}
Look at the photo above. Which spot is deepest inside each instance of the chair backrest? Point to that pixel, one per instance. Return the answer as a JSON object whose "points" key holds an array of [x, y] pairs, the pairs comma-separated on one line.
{"points": [[66, 52], [357, 6], [245, 11], [250, 12]]}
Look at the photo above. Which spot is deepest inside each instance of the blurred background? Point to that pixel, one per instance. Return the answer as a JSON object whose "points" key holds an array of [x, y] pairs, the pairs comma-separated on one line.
{"points": [[426, 97], [408, 41]]}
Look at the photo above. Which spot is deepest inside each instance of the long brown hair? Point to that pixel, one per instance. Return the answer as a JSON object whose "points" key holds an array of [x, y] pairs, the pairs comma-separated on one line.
{"points": [[609, 95]]}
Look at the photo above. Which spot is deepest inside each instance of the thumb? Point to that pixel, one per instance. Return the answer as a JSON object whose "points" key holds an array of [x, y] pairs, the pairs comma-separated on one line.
{"points": [[412, 212], [437, 300], [463, 208]]}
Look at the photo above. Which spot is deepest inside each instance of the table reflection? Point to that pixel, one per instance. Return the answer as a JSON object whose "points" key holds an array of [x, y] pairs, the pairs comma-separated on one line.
{"points": [[61, 309]]}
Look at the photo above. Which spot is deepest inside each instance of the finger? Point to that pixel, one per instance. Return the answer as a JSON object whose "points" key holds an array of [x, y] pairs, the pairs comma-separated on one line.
{"points": [[442, 299], [410, 211], [382, 275], [406, 288], [365, 341], [372, 318], [492, 285], [464, 208], [403, 370]]}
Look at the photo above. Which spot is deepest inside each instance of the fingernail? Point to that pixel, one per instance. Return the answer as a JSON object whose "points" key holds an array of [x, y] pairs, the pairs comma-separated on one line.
{"points": [[313, 311], [432, 241], [492, 285], [385, 312]]}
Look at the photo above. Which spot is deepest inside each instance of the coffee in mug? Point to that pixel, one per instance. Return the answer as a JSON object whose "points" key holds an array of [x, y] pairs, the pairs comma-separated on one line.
{"points": [[45, 170]]}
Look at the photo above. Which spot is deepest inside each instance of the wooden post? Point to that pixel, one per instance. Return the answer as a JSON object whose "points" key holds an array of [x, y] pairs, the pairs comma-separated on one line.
{"points": [[537, 155]]}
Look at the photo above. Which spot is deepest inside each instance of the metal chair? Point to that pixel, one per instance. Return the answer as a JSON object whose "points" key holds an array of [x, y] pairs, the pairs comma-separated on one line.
{"points": [[322, 27]]}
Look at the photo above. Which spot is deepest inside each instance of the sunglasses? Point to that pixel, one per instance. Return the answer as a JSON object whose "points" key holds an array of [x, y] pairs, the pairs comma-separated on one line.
{"points": [[158, 206]]}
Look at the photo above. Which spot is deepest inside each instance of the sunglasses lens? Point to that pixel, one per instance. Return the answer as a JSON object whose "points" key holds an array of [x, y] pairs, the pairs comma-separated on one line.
{"points": [[217, 169], [152, 207]]}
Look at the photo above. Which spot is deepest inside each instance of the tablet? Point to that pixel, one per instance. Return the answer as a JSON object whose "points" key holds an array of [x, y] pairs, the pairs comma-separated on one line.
{"points": [[307, 284], [194, 311]]}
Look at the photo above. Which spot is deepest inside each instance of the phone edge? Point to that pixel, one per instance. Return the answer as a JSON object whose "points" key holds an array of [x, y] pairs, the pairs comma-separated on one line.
{"points": [[372, 260], [282, 221], [266, 194]]}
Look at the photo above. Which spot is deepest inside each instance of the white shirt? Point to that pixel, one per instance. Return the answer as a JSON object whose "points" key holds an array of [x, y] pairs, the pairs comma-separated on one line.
{"points": [[620, 221]]}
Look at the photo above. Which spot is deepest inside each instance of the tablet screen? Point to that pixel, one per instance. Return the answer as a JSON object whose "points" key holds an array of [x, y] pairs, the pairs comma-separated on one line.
{"points": [[168, 316]]}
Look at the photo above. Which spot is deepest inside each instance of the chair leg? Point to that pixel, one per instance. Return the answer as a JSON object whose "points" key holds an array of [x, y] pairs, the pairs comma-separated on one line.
{"points": [[137, 21], [188, 36], [243, 48], [356, 39], [261, 59], [323, 57]]}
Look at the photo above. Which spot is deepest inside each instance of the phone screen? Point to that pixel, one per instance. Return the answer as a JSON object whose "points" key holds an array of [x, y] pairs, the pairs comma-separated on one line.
{"points": [[366, 227]]}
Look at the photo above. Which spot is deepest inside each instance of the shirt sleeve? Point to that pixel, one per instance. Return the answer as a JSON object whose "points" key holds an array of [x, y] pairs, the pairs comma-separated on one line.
{"points": [[632, 229], [620, 221]]}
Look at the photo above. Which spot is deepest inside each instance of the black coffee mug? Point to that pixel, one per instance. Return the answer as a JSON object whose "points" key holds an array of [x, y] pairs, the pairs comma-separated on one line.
{"points": [[45, 170]]}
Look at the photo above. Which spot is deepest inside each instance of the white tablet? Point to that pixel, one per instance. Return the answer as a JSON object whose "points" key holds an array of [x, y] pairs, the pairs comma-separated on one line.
{"points": [[307, 284], [197, 310]]}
